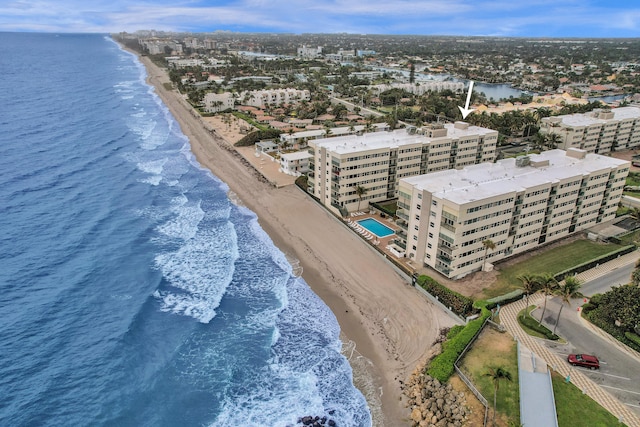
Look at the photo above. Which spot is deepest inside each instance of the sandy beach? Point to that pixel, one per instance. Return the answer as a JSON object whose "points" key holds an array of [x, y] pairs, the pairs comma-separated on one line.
{"points": [[391, 325]]}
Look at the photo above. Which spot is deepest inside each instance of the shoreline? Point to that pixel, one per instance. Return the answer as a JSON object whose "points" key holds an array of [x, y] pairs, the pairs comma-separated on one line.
{"points": [[388, 322]]}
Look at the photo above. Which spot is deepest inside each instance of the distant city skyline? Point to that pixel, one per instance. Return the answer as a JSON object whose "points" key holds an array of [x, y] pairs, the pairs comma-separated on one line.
{"points": [[533, 18]]}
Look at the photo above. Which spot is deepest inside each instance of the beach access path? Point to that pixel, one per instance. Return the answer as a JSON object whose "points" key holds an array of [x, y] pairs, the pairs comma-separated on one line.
{"points": [[391, 323]]}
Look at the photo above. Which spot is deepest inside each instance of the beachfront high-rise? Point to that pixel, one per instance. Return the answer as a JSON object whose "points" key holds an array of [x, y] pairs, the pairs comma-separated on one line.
{"points": [[599, 131], [517, 204], [377, 161]]}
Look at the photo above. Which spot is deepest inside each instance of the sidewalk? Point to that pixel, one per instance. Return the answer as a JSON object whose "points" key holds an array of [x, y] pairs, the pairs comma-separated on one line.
{"points": [[508, 317], [603, 269]]}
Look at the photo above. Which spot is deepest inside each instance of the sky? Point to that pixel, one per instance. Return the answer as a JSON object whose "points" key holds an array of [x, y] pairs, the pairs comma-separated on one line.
{"points": [[516, 18]]}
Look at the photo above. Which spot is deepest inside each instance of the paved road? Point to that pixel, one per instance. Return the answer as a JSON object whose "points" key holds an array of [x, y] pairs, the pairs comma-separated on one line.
{"points": [[620, 371], [600, 285]]}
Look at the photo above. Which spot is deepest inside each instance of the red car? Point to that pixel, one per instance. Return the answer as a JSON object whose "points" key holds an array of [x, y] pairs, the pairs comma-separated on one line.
{"points": [[584, 360]]}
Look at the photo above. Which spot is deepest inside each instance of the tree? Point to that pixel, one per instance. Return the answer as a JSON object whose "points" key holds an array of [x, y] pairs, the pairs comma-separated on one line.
{"points": [[566, 292], [547, 285], [488, 244], [360, 191], [529, 284], [497, 375]]}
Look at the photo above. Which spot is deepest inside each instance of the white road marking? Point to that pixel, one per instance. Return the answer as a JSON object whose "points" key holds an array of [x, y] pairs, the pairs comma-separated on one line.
{"points": [[616, 376], [631, 404], [620, 389]]}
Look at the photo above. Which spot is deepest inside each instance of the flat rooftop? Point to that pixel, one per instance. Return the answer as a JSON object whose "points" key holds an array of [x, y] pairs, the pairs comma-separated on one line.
{"points": [[485, 180], [395, 139], [586, 119]]}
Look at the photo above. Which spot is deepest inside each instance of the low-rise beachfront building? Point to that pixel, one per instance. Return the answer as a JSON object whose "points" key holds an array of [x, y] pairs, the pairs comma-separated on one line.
{"points": [[296, 163], [599, 131], [518, 204], [377, 161], [302, 137]]}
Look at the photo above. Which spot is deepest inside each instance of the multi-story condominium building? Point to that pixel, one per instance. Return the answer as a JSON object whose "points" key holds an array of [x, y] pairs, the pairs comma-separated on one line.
{"points": [[274, 97], [517, 204], [420, 88], [216, 102], [377, 161], [599, 131], [309, 52]]}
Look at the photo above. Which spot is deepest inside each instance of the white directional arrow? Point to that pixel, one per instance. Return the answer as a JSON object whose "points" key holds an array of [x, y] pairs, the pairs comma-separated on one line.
{"points": [[465, 111]]}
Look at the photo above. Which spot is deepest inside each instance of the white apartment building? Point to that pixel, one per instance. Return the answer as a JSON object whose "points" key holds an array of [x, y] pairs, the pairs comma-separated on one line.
{"points": [[309, 52], [599, 131], [377, 161], [295, 163], [420, 88], [274, 97], [216, 102], [518, 204]]}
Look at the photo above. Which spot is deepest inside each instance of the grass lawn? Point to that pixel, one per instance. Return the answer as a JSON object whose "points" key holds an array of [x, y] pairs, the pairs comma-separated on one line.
{"points": [[630, 238], [525, 328], [573, 407], [551, 261], [495, 349]]}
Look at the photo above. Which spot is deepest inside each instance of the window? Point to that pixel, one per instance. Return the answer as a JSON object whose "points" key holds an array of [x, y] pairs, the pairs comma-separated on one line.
{"points": [[431, 235], [429, 245], [434, 203], [414, 247]]}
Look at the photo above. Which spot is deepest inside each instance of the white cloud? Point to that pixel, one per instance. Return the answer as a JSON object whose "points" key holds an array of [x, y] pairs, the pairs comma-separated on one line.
{"points": [[464, 17]]}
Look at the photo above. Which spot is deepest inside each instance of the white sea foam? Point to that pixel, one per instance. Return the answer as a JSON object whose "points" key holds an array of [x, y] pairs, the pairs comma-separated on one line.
{"points": [[152, 167], [185, 224], [200, 271], [307, 375]]}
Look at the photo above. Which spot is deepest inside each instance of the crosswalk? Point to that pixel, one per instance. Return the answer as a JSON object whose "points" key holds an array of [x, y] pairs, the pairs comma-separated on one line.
{"points": [[508, 317]]}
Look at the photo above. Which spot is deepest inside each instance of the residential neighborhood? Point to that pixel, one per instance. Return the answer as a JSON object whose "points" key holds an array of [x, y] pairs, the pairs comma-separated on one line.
{"points": [[370, 129]]}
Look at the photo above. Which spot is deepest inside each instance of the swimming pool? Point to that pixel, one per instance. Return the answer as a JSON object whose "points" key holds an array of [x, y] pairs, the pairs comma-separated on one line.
{"points": [[376, 227]]}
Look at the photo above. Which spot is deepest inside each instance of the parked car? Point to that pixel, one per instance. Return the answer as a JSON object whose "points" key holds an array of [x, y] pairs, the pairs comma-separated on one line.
{"points": [[584, 360]]}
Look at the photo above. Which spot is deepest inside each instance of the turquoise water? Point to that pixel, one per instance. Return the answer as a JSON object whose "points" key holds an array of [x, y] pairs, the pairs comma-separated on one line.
{"points": [[376, 227]]}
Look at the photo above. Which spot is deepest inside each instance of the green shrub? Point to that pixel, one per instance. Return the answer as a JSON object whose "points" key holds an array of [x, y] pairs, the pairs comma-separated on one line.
{"points": [[634, 338], [455, 330], [459, 304], [258, 135], [532, 323], [441, 367], [594, 262]]}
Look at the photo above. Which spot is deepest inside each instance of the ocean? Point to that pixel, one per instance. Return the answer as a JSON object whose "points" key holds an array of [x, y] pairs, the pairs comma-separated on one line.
{"points": [[133, 290]]}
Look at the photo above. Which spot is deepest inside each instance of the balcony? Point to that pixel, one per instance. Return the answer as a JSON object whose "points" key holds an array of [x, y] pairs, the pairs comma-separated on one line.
{"points": [[402, 223], [400, 214], [401, 234], [444, 259]]}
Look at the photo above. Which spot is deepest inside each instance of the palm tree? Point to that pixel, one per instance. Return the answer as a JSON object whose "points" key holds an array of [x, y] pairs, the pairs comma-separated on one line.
{"points": [[497, 375], [566, 292], [529, 284], [360, 191], [488, 244], [548, 285]]}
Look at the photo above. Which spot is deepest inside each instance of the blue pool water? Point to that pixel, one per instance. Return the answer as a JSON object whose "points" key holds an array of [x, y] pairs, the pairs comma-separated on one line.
{"points": [[376, 227]]}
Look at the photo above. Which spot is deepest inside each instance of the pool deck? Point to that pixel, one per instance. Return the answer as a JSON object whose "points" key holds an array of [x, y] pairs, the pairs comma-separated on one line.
{"points": [[383, 241]]}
